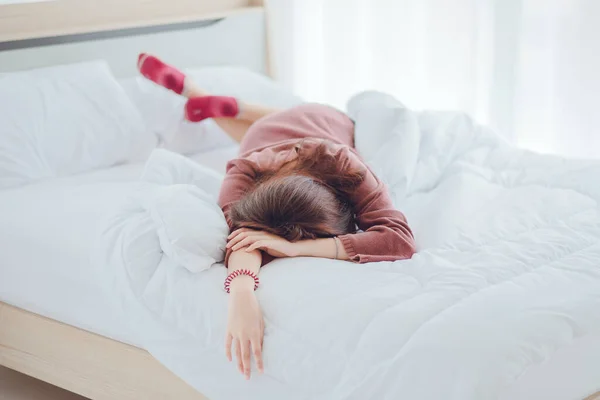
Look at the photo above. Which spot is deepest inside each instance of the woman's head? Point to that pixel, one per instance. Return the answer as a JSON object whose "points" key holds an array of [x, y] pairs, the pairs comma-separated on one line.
{"points": [[294, 207], [306, 199]]}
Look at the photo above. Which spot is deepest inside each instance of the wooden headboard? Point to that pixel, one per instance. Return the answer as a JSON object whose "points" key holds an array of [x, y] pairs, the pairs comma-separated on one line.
{"points": [[190, 33], [30, 20]]}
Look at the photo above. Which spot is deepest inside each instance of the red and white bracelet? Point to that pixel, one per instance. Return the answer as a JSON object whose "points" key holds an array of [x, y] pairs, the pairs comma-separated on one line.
{"points": [[241, 272]]}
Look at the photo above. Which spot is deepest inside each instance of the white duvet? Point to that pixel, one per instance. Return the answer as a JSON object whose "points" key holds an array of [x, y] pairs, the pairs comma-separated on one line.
{"points": [[508, 271]]}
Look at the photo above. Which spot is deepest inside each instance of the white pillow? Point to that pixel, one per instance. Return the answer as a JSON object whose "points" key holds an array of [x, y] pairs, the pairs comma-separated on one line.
{"points": [[387, 136], [163, 110], [190, 225], [165, 167], [64, 120]]}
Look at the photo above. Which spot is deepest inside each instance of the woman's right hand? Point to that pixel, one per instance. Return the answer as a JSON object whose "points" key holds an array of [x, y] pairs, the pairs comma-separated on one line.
{"points": [[245, 328]]}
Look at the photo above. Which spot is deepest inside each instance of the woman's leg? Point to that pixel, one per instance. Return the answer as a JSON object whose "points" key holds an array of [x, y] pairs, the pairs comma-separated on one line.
{"points": [[173, 79], [235, 126]]}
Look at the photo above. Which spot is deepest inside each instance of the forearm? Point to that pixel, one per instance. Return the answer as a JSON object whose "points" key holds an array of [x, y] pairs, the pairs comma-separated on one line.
{"points": [[380, 243], [324, 248], [244, 260], [245, 324]]}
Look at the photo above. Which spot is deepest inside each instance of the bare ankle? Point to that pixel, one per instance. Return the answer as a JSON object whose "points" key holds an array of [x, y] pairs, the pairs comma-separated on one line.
{"points": [[190, 89]]}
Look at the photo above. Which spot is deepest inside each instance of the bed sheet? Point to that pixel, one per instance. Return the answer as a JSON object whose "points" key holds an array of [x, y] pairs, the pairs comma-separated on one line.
{"points": [[506, 276], [569, 370], [47, 232]]}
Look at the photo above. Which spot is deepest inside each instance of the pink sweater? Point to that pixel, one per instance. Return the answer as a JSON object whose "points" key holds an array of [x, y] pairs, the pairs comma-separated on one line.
{"points": [[385, 233]]}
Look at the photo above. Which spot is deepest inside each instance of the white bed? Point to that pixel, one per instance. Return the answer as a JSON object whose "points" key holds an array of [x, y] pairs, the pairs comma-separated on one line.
{"points": [[501, 295], [60, 219], [47, 341], [56, 280], [59, 323], [569, 368]]}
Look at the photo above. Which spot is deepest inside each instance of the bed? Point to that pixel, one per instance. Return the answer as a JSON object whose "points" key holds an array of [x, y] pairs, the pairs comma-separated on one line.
{"points": [[64, 289], [59, 327], [63, 279], [57, 322]]}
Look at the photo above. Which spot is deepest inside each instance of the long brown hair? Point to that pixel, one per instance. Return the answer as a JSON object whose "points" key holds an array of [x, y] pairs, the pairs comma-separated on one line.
{"points": [[305, 198]]}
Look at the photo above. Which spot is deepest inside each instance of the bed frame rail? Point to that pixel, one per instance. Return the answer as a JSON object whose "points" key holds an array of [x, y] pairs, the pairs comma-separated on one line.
{"points": [[82, 362]]}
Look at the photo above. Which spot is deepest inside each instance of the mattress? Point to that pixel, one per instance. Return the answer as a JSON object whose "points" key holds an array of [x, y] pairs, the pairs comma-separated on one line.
{"points": [[48, 231], [570, 369], [500, 302]]}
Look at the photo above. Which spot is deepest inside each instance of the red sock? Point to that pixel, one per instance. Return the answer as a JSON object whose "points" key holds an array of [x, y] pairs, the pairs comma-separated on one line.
{"points": [[200, 108], [161, 73]]}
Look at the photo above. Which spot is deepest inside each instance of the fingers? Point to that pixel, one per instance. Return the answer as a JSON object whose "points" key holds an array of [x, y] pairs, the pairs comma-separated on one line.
{"points": [[238, 356], [237, 236], [248, 240], [257, 353], [237, 232], [259, 244], [246, 358], [228, 342], [243, 243], [244, 350], [241, 236]]}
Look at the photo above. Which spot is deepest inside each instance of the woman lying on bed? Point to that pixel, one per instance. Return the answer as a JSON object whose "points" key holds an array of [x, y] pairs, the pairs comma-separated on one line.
{"points": [[298, 188]]}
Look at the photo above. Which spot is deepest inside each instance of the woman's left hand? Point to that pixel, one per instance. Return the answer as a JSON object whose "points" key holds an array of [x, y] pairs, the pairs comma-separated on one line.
{"points": [[253, 240]]}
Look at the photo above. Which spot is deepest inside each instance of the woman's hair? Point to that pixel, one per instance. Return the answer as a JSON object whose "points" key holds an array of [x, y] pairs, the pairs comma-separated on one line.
{"points": [[306, 198]]}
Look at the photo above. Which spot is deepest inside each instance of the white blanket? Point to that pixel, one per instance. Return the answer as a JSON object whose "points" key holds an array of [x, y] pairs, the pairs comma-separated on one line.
{"points": [[508, 271]]}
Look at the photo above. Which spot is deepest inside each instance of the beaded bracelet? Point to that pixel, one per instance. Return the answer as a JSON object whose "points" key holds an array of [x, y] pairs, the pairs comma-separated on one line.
{"points": [[241, 272]]}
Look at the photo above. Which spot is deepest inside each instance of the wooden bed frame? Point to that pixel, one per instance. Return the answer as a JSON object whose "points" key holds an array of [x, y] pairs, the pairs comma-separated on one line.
{"points": [[62, 355], [67, 17], [83, 362]]}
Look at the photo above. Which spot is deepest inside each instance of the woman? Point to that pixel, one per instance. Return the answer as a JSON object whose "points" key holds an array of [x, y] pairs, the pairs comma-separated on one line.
{"points": [[298, 188]]}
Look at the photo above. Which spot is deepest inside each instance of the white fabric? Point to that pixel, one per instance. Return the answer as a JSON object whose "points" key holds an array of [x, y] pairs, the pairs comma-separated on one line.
{"points": [[47, 234], [528, 68], [65, 120], [191, 228], [569, 374], [48, 231], [164, 110], [507, 273]]}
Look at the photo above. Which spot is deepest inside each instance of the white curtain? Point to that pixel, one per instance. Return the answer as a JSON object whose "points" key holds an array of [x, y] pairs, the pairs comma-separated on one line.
{"points": [[528, 68]]}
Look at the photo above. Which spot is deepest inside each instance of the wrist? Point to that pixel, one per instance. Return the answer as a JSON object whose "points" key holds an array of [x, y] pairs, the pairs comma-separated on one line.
{"points": [[242, 284], [301, 248], [241, 291]]}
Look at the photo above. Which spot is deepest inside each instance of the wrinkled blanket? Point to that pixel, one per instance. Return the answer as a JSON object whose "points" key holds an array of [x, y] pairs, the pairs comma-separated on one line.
{"points": [[507, 272]]}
